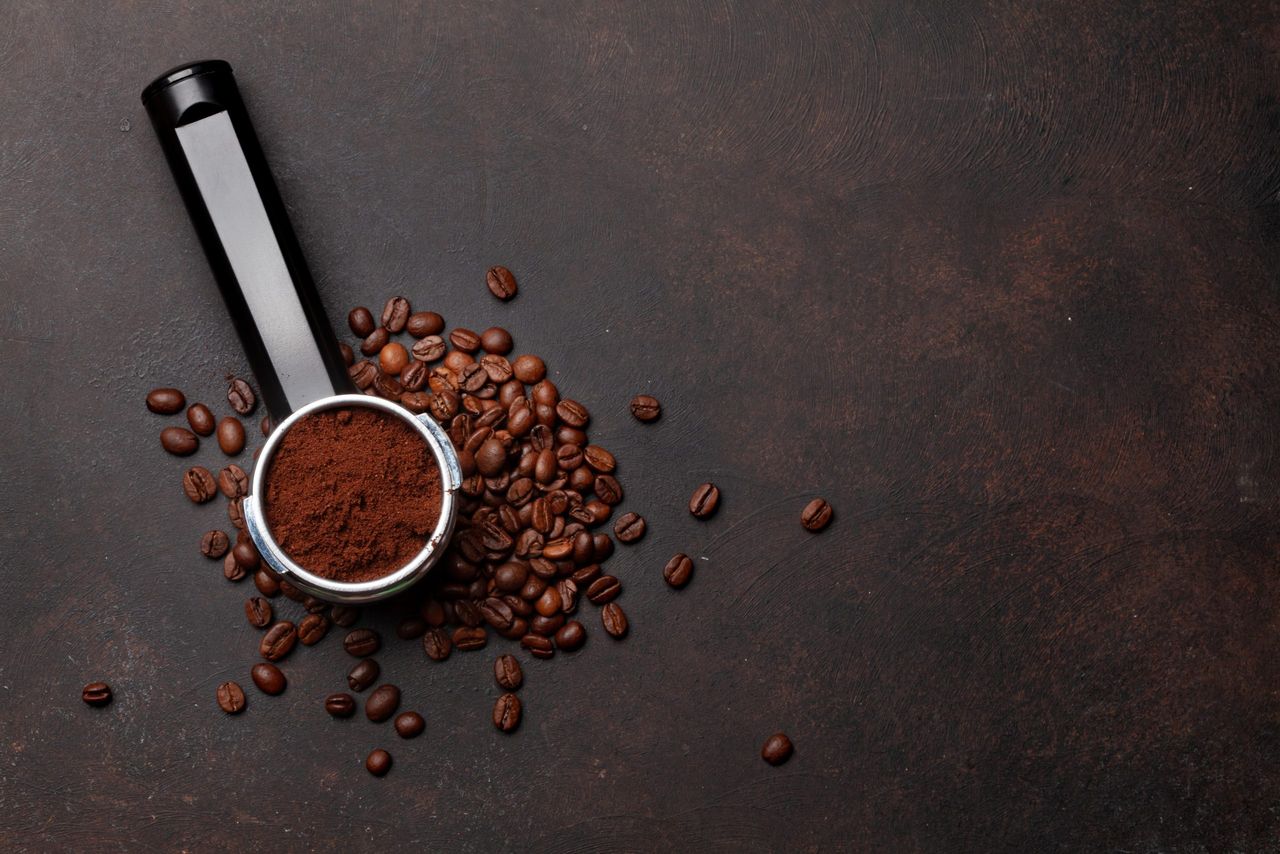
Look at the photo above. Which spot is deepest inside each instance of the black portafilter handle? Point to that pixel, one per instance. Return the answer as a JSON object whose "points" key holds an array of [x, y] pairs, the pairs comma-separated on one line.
{"points": [[215, 157]]}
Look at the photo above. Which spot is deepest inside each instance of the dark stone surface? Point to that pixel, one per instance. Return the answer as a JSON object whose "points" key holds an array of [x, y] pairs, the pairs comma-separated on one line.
{"points": [[996, 279]]}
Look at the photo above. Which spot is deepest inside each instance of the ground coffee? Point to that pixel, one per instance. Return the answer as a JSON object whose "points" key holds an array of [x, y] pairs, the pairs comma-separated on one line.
{"points": [[352, 494]]}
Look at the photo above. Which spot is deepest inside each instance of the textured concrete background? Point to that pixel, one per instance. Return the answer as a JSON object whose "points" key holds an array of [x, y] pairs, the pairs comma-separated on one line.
{"points": [[997, 279]]}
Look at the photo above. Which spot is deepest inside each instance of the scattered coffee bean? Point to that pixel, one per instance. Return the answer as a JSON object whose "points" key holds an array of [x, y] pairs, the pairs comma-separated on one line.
{"points": [[393, 358], [704, 500], [198, 485], [233, 482], [465, 340], [246, 554], [777, 749], [363, 674], [571, 636], [816, 515], [361, 322], [411, 628], [201, 419], [645, 408], [528, 369], [363, 374], [507, 672], [604, 589], [235, 513], [423, 323], [614, 619], [230, 436], [179, 441], [395, 314], [312, 629], [506, 712], [240, 395], [214, 544], [96, 693], [231, 568], [258, 612], [344, 615], [378, 763], [278, 641], [268, 678], [375, 341], [362, 642], [539, 645], [340, 705], [678, 571], [165, 401], [629, 528], [429, 349], [599, 459], [501, 283], [382, 703], [231, 698], [496, 340], [467, 639], [437, 645], [608, 489], [409, 724], [266, 582]]}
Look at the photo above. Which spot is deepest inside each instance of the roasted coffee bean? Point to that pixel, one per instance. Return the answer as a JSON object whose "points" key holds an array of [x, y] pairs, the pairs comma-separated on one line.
{"points": [[314, 605], [361, 322], [545, 468], [548, 604], [432, 612], [382, 703], [816, 515], [414, 376], [344, 615], [442, 378], [465, 340], [387, 386], [362, 642], [510, 576], [614, 619], [201, 419], [678, 571], [573, 413], [235, 513], [411, 628], [230, 435], [348, 355], [507, 672], [568, 457], [179, 441], [558, 549], [568, 590], [363, 374], [584, 549], [96, 693], [704, 500], [199, 485], [529, 369], [363, 674], [511, 394], [423, 323], [312, 629], [165, 401], [545, 393], [599, 459], [393, 358], [246, 554], [268, 678], [506, 712], [436, 644], [604, 589], [777, 749], [497, 613], [538, 646], [520, 491], [540, 515], [468, 612], [491, 457], [233, 482], [542, 568], [466, 638], [501, 283], [608, 489], [583, 515], [231, 568], [268, 585], [582, 478], [541, 438], [495, 539], [214, 544], [571, 636], [278, 641], [378, 763], [395, 314], [545, 415], [375, 341], [444, 405], [546, 626], [416, 402], [645, 408], [600, 512], [496, 368], [429, 349], [496, 340], [340, 705], [629, 527], [409, 724], [258, 612], [584, 576], [230, 698], [240, 395]]}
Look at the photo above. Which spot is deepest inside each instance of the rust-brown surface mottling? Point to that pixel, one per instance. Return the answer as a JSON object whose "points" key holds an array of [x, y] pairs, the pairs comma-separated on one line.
{"points": [[997, 280]]}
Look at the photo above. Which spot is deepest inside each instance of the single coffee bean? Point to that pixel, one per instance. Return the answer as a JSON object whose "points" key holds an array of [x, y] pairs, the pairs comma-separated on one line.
{"points": [[496, 340], [568, 590], [507, 672], [179, 441], [267, 583], [704, 500], [582, 478], [363, 674], [497, 369], [423, 323], [414, 376], [278, 641], [436, 644], [378, 763], [777, 749], [258, 612], [573, 413], [584, 576], [538, 645], [496, 613], [361, 322], [571, 636], [201, 419], [608, 489], [96, 693], [506, 712], [645, 408], [491, 457], [599, 459], [235, 513], [467, 639], [230, 436], [614, 619], [382, 703], [816, 515], [501, 283], [363, 373], [362, 642], [165, 401], [678, 571], [429, 348], [395, 314], [312, 629], [409, 724], [629, 527], [233, 481], [510, 576], [604, 589], [600, 512], [529, 369], [603, 546], [231, 568], [393, 358], [231, 698], [416, 402], [268, 678], [199, 485], [464, 339], [214, 544], [340, 705], [375, 341], [240, 395], [411, 628], [246, 554], [344, 615], [548, 604]]}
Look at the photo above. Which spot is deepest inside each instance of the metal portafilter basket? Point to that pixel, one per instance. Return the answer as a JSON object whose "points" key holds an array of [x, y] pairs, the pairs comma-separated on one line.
{"points": [[233, 202]]}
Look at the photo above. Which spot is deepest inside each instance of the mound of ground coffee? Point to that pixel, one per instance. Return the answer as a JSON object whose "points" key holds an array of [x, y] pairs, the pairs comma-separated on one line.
{"points": [[352, 494]]}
